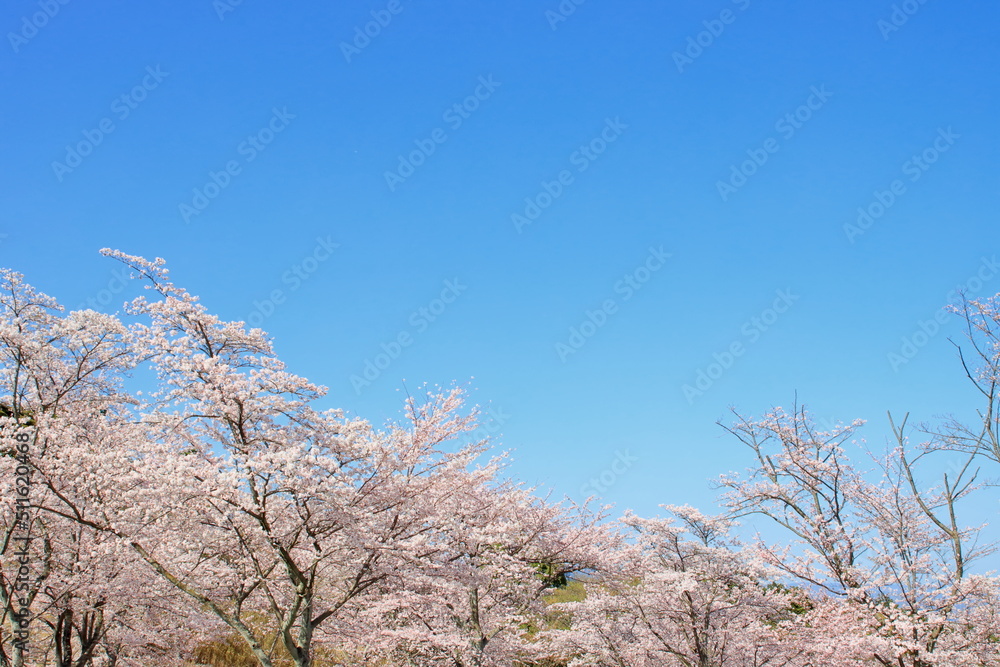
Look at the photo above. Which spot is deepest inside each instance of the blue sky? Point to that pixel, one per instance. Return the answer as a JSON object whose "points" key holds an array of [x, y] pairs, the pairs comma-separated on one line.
{"points": [[249, 145]]}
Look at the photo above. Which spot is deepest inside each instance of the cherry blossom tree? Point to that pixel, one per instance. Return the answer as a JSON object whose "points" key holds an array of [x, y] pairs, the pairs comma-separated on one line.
{"points": [[496, 551], [681, 594], [980, 360], [228, 486], [60, 375], [186, 488], [245, 498], [889, 555]]}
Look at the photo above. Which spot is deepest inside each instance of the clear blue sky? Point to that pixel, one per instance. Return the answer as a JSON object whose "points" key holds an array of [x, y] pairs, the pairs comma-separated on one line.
{"points": [[309, 127]]}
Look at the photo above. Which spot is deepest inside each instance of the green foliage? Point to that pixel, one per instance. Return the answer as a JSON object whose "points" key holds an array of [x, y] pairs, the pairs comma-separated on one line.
{"points": [[26, 417], [799, 601], [551, 575], [574, 591], [557, 619]]}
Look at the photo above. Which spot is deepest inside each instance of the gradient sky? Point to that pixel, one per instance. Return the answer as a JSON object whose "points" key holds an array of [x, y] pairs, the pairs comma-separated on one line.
{"points": [[203, 82]]}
